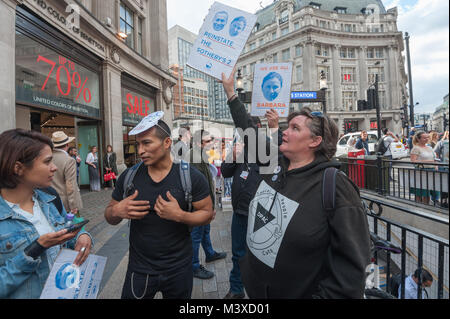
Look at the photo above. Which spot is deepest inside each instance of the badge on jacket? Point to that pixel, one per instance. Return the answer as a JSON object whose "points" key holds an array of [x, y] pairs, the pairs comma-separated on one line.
{"points": [[244, 175]]}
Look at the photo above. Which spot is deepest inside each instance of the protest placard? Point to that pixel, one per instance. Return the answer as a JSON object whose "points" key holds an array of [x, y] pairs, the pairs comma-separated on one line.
{"points": [[69, 282], [221, 39], [271, 88]]}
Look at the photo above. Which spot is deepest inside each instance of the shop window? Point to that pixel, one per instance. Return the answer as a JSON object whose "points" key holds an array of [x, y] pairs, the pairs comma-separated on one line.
{"points": [[135, 106], [46, 78]]}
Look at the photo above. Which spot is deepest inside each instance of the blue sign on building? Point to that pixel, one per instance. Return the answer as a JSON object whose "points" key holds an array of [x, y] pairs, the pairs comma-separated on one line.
{"points": [[303, 95]]}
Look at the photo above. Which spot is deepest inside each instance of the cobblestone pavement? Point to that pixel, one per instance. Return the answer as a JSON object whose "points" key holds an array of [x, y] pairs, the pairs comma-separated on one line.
{"points": [[112, 242]]}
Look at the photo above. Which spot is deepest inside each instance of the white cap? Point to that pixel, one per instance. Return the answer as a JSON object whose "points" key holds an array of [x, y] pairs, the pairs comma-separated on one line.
{"points": [[147, 123]]}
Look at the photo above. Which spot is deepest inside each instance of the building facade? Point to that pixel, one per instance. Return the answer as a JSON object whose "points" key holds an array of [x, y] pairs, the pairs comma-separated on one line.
{"points": [[93, 69], [351, 41], [440, 115], [180, 44], [190, 97]]}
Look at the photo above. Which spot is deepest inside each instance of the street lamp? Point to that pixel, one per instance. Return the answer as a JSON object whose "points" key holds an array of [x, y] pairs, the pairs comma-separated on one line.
{"points": [[323, 86], [411, 99], [373, 100], [239, 82]]}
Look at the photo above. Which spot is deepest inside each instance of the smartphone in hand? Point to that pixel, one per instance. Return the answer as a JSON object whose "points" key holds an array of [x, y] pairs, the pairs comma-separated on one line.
{"points": [[75, 227]]}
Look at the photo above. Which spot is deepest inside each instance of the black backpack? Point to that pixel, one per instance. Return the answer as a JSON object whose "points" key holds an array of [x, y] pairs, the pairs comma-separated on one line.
{"points": [[185, 176], [329, 188], [380, 148]]}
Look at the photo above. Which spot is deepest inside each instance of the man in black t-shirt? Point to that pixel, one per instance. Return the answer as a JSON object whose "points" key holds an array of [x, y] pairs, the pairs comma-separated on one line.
{"points": [[160, 257]]}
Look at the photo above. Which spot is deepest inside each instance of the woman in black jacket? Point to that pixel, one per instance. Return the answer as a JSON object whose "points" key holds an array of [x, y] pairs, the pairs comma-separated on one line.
{"points": [[245, 182], [110, 165], [296, 249]]}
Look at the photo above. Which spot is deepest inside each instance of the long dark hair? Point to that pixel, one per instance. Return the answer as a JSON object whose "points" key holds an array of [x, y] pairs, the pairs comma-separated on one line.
{"points": [[22, 146]]}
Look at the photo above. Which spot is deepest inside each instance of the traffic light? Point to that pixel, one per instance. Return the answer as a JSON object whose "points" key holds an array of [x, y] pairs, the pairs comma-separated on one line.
{"points": [[362, 105], [445, 122], [371, 99], [404, 116]]}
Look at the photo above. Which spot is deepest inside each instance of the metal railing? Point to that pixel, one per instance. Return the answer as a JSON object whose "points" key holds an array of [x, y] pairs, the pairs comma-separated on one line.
{"points": [[423, 183], [419, 250]]}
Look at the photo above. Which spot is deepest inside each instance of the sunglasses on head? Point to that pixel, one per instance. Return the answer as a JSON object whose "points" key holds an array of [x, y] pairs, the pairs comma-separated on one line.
{"points": [[321, 117]]}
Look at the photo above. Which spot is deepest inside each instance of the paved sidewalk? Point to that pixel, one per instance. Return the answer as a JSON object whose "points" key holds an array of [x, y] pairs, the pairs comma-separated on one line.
{"points": [[112, 242]]}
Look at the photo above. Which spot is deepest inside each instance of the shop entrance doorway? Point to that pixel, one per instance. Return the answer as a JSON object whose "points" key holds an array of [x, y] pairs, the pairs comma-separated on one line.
{"points": [[88, 136]]}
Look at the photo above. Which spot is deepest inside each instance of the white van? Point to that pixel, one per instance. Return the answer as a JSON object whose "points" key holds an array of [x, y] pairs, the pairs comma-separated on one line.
{"points": [[343, 146], [398, 150]]}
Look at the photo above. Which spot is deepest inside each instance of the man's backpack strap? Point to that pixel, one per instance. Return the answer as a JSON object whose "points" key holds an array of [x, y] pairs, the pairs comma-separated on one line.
{"points": [[57, 201], [128, 182], [329, 189], [185, 175]]}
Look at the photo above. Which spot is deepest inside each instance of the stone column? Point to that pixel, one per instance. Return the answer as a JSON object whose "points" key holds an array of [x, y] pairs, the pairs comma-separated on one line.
{"points": [[340, 123], [308, 57], [365, 123], [8, 64], [393, 98], [337, 88], [158, 33], [112, 92], [363, 73]]}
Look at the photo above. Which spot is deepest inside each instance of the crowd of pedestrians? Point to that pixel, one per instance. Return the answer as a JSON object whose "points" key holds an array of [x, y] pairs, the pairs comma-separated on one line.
{"points": [[294, 233]]}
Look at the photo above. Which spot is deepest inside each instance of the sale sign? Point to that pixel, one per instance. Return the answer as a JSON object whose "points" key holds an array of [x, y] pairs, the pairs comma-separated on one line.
{"points": [[221, 39], [135, 106], [71, 80], [271, 88], [51, 80]]}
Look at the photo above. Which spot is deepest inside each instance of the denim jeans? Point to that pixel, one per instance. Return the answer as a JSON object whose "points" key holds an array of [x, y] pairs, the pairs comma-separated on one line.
{"points": [[238, 250], [200, 235]]}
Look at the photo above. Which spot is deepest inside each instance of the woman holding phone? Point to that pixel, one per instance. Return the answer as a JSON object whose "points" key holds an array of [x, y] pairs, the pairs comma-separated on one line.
{"points": [[32, 231]]}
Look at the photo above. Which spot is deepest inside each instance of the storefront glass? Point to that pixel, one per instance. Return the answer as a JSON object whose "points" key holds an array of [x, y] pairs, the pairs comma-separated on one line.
{"points": [[135, 106], [47, 79]]}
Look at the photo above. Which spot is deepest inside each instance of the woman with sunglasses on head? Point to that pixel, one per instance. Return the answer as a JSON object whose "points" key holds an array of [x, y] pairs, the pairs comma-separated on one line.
{"points": [[296, 249], [31, 227]]}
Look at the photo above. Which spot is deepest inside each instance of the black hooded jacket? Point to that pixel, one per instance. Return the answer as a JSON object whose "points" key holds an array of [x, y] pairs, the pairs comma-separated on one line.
{"points": [[294, 248]]}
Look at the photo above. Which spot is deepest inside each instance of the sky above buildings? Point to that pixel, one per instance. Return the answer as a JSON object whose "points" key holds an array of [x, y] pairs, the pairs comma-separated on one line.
{"points": [[426, 21]]}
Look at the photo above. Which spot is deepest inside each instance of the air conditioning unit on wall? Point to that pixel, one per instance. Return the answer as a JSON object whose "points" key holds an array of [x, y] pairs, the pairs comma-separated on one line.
{"points": [[108, 22]]}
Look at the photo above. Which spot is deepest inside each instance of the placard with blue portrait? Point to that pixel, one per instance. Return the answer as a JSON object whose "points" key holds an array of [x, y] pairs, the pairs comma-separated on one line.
{"points": [[221, 40], [271, 88]]}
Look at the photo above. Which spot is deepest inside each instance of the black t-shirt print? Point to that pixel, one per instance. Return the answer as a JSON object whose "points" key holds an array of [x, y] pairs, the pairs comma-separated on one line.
{"points": [[159, 245]]}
